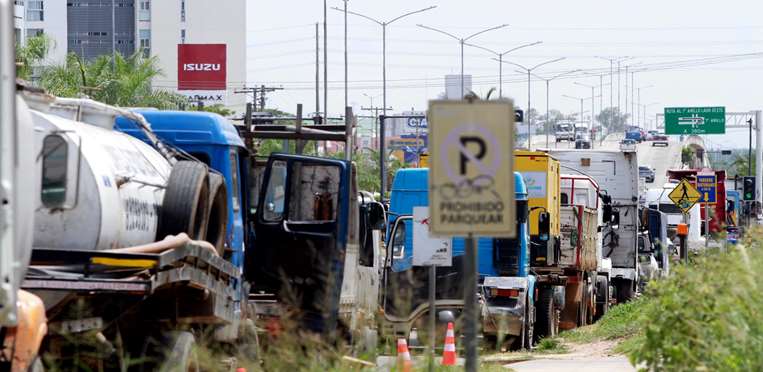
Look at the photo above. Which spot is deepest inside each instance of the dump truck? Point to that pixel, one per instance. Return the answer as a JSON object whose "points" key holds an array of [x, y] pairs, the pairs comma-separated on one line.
{"points": [[572, 278], [617, 174], [506, 286]]}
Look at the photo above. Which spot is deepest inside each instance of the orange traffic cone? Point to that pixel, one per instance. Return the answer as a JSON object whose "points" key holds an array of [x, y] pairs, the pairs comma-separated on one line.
{"points": [[404, 363], [449, 350]]}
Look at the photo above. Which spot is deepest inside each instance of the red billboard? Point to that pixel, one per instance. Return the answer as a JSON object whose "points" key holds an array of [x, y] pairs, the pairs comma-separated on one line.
{"points": [[201, 67]]}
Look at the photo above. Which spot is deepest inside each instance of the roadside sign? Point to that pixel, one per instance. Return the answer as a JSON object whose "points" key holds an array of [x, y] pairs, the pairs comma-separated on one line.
{"points": [[684, 195], [707, 188], [471, 179], [429, 250], [695, 120]]}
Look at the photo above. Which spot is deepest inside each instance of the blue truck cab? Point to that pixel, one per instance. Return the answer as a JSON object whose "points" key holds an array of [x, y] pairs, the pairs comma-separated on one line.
{"points": [[506, 286], [634, 134], [213, 140]]}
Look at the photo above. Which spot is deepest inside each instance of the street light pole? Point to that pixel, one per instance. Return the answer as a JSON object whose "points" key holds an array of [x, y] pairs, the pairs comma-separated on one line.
{"points": [[500, 61], [529, 72], [384, 25], [548, 81], [462, 41], [638, 90]]}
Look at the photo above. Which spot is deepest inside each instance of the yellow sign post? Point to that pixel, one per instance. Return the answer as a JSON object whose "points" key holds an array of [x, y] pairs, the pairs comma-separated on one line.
{"points": [[471, 179], [685, 195]]}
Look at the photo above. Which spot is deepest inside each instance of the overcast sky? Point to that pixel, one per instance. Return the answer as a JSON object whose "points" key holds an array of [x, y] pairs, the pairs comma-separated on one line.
{"points": [[281, 50]]}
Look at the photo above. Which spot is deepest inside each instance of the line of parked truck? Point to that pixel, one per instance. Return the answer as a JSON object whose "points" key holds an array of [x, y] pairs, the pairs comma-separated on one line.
{"points": [[133, 232]]}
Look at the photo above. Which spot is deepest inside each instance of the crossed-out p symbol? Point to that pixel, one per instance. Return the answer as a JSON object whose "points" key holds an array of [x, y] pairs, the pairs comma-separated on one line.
{"points": [[466, 155]]}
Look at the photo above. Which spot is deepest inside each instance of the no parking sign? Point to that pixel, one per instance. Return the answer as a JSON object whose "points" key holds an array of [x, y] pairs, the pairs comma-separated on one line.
{"points": [[471, 180]]}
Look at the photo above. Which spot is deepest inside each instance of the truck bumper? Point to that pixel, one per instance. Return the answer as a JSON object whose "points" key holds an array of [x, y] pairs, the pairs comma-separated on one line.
{"points": [[503, 316]]}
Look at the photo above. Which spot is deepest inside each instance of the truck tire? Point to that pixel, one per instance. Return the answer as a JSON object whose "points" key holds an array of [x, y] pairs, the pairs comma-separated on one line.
{"points": [[217, 213], [547, 319], [181, 355], [602, 297], [624, 288], [185, 201]]}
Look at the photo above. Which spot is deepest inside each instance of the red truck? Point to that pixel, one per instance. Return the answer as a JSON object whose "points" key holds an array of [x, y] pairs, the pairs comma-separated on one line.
{"points": [[717, 210]]}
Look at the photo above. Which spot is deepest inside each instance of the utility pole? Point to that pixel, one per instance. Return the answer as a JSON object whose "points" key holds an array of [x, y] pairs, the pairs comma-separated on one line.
{"points": [[263, 90], [325, 66], [253, 91], [317, 72], [346, 104]]}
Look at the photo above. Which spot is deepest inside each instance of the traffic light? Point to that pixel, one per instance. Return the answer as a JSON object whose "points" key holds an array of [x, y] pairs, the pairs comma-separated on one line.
{"points": [[748, 188]]}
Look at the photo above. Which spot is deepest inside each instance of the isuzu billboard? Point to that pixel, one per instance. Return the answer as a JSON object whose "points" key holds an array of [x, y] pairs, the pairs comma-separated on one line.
{"points": [[202, 67]]}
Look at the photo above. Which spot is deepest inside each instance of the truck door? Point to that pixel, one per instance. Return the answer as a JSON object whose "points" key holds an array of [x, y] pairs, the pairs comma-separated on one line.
{"points": [[301, 235]]}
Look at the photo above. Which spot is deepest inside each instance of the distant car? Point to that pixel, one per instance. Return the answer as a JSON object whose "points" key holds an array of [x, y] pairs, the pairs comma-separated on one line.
{"points": [[660, 139], [582, 141], [650, 135], [646, 173], [634, 134]]}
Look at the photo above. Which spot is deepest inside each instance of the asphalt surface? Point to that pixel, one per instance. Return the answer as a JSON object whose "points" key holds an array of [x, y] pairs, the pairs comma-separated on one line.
{"points": [[600, 364], [660, 158]]}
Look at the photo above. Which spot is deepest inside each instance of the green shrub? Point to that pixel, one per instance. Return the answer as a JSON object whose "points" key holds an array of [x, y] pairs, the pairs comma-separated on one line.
{"points": [[707, 316]]}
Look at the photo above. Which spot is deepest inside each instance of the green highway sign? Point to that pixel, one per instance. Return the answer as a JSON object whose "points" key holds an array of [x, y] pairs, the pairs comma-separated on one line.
{"points": [[695, 120]]}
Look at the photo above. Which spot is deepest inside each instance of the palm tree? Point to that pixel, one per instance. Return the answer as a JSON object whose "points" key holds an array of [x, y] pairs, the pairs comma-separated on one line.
{"points": [[30, 54], [121, 81]]}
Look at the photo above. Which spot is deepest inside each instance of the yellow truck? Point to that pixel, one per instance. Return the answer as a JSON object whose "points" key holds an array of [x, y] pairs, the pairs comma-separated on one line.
{"points": [[565, 259]]}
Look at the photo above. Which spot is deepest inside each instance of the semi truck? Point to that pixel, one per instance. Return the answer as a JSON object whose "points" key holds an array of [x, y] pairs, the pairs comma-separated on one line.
{"points": [[507, 288], [617, 174], [312, 209]]}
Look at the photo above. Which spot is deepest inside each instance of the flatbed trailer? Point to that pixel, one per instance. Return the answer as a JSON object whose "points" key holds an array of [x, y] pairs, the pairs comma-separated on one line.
{"points": [[121, 307]]}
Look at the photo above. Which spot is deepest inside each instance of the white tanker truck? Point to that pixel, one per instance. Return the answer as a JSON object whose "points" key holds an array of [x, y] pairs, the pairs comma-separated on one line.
{"points": [[124, 233]]}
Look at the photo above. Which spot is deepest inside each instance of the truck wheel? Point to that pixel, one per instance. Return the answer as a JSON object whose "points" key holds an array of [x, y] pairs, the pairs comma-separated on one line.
{"points": [[185, 201], [602, 297], [181, 356], [624, 288], [217, 213], [547, 318]]}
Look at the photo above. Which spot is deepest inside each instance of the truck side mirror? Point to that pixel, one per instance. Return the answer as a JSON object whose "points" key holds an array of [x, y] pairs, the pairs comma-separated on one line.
{"points": [[607, 213], [544, 226], [376, 216], [615, 219]]}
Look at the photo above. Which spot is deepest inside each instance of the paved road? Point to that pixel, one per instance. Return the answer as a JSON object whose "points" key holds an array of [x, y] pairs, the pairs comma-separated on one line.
{"points": [[602, 364], [661, 159]]}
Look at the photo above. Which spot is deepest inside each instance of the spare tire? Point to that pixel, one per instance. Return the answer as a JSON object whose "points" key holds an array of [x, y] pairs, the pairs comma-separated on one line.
{"points": [[217, 213], [184, 209]]}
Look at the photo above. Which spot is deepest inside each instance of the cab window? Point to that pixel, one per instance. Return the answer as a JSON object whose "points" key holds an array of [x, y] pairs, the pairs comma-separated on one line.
{"points": [[54, 166]]}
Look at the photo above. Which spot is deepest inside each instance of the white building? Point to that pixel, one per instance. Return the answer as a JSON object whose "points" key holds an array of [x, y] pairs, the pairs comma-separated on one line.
{"points": [[199, 22], [156, 27]]}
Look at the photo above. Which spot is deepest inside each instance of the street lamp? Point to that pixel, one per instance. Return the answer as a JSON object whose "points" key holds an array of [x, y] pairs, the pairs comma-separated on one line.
{"points": [[612, 61], [592, 100], [581, 99], [529, 72], [641, 119], [462, 41], [643, 107], [547, 95], [384, 44], [500, 62]]}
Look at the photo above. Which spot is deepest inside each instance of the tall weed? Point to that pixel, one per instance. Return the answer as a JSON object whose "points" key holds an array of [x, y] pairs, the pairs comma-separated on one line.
{"points": [[708, 315]]}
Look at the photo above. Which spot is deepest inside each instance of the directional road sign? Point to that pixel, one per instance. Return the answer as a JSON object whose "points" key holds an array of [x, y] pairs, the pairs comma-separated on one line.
{"points": [[684, 195], [471, 179], [707, 188], [695, 120]]}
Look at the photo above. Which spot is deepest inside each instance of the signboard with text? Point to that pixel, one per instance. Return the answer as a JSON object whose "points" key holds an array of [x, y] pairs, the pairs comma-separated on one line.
{"points": [[429, 250], [202, 67], [471, 179], [706, 187], [695, 120]]}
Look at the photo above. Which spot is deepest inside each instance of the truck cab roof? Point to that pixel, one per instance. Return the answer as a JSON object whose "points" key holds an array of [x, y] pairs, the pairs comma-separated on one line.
{"points": [[185, 127]]}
